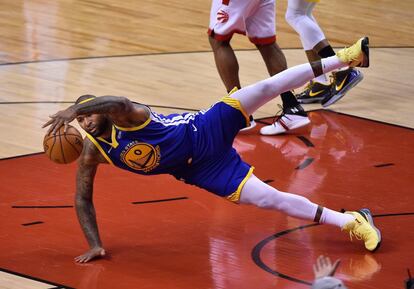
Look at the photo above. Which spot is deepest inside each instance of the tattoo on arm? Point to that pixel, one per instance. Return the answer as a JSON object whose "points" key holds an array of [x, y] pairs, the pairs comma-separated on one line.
{"points": [[84, 202]]}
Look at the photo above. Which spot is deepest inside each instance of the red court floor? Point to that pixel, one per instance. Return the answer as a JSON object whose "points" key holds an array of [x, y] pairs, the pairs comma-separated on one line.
{"points": [[163, 234]]}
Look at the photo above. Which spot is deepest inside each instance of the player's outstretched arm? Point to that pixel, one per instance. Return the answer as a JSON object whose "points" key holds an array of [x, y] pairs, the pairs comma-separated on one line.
{"points": [[121, 110], [87, 166]]}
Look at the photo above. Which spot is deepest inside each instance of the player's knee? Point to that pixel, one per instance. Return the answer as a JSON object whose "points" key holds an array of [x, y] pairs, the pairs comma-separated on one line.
{"points": [[217, 44], [293, 18], [267, 200], [266, 88], [290, 17]]}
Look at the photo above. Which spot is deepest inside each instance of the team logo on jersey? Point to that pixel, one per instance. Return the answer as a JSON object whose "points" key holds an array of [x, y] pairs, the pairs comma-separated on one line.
{"points": [[141, 156], [222, 16]]}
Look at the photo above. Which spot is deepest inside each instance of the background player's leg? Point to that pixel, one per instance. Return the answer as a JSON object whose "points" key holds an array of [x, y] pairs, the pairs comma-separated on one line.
{"points": [[226, 62], [275, 62], [293, 116], [299, 17]]}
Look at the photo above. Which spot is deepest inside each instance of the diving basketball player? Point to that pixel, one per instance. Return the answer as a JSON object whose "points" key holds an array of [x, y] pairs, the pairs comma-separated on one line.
{"points": [[196, 148]]}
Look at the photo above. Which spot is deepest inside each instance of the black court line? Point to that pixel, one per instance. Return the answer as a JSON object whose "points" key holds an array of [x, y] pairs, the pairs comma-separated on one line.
{"points": [[33, 223], [305, 163], [162, 53], [261, 120], [72, 102], [305, 140], [255, 254], [393, 215], [36, 102], [57, 285], [384, 165], [42, 207], [258, 248], [158, 201]]}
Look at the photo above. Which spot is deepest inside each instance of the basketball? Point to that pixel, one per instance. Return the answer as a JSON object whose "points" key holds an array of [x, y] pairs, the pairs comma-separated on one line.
{"points": [[63, 148]]}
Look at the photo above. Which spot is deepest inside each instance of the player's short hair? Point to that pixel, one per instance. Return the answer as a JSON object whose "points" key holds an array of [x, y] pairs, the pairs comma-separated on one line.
{"points": [[84, 98]]}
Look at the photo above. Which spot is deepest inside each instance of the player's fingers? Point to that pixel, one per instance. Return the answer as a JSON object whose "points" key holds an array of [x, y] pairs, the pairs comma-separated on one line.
{"points": [[57, 126], [66, 126], [335, 266], [328, 262], [325, 261], [48, 122], [319, 261], [49, 131], [81, 259]]}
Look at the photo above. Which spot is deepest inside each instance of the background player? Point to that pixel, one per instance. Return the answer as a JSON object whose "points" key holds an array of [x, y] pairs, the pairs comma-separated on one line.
{"points": [[256, 18], [299, 16]]}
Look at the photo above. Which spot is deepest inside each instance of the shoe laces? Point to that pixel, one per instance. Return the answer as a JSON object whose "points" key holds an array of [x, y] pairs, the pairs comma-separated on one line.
{"points": [[332, 78], [350, 53], [309, 86], [360, 232], [279, 114]]}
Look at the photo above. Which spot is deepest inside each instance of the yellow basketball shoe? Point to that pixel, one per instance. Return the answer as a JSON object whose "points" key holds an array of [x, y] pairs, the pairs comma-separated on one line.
{"points": [[357, 54], [362, 227]]}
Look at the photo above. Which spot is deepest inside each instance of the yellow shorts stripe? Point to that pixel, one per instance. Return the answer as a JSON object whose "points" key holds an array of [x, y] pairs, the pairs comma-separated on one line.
{"points": [[235, 197], [235, 103]]}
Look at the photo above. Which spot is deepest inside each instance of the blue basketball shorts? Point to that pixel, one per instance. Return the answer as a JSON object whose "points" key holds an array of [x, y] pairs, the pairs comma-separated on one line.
{"points": [[216, 166]]}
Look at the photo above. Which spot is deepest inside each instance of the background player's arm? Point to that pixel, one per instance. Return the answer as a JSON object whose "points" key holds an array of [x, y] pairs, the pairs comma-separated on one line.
{"points": [[121, 110], [87, 166]]}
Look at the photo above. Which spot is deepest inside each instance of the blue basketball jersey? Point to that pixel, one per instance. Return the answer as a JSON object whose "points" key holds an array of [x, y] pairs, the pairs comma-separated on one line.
{"points": [[193, 147], [161, 145]]}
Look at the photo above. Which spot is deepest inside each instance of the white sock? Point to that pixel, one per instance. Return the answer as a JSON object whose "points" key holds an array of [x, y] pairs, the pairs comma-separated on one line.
{"points": [[332, 63], [335, 218], [321, 79]]}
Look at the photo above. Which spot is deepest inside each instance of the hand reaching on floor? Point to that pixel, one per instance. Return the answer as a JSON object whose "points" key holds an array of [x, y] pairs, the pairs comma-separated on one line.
{"points": [[93, 253], [324, 267]]}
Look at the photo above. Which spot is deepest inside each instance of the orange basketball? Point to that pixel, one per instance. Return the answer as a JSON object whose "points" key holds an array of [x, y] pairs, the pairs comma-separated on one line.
{"points": [[63, 148]]}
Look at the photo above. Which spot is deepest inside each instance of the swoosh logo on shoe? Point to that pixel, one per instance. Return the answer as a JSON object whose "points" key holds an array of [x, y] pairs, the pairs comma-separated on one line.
{"points": [[312, 94], [338, 88]]}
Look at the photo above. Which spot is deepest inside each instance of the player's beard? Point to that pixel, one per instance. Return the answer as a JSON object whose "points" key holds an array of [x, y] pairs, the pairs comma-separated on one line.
{"points": [[102, 127]]}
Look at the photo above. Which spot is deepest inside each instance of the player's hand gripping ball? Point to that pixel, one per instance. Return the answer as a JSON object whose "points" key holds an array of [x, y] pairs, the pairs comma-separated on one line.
{"points": [[63, 148]]}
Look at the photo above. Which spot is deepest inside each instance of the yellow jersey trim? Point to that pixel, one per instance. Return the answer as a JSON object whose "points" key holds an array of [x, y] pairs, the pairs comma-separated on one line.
{"points": [[114, 143], [135, 127], [235, 103], [86, 100], [235, 197], [91, 138]]}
